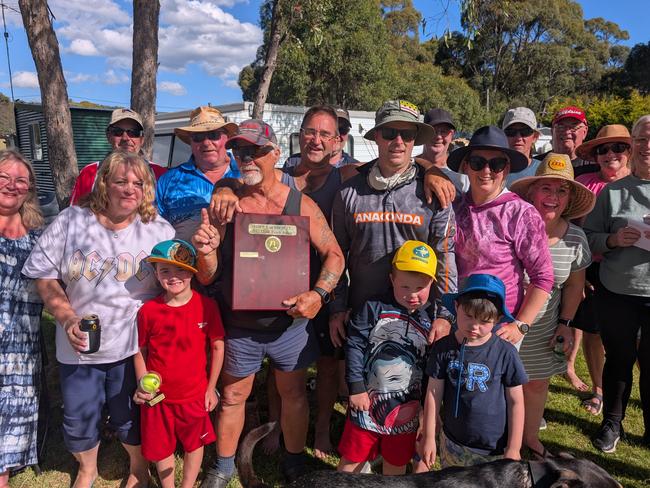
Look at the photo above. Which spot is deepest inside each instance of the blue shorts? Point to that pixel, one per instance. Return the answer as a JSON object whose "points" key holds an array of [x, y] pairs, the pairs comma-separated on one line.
{"points": [[85, 389], [289, 350]]}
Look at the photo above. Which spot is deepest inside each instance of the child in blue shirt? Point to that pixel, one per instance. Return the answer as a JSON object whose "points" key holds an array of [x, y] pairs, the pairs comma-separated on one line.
{"points": [[483, 413]]}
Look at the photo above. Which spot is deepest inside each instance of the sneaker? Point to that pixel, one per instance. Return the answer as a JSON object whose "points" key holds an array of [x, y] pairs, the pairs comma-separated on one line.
{"points": [[215, 479], [542, 424], [607, 436]]}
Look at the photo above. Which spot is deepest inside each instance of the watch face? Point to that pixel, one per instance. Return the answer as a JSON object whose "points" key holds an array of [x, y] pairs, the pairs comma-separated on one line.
{"points": [[523, 327]]}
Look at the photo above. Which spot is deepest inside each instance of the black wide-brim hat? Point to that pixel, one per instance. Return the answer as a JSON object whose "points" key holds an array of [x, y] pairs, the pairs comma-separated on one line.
{"points": [[488, 137]]}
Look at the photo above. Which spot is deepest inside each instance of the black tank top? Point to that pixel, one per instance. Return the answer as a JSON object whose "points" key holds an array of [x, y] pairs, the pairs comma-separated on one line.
{"points": [[271, 320]]}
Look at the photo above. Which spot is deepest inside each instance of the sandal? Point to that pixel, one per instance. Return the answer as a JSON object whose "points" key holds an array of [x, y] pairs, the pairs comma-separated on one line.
{"points": [[541, 456], [594, 404]]}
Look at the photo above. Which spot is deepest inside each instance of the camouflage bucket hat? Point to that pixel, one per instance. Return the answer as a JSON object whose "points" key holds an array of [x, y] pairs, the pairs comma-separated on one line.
{"points": [[401, 111]]}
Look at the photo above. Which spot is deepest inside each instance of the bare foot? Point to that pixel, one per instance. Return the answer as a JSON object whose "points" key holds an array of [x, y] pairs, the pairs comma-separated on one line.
{"points": [[85, 480], [271, 442], [322, 444], [576, 382]]}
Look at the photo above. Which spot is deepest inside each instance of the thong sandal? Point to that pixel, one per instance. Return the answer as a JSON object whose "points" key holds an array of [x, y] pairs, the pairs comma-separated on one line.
{"points": [[594, 404]]}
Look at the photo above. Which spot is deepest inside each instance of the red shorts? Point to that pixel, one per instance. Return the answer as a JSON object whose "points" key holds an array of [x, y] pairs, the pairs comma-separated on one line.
{"points": [[358, 445], [165, 423]]}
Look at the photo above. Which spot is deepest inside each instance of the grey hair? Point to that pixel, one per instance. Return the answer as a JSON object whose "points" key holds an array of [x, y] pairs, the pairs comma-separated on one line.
{"points": [[641, 121]]}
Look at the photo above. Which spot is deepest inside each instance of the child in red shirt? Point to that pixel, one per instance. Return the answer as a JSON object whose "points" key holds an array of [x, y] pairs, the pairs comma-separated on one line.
{"points": [[174, 330]]}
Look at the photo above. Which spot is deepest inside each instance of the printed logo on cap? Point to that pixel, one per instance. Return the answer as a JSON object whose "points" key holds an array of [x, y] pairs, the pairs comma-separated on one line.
{"points": [[409, 107], [557, 164], [181, 254], [421, 253]]}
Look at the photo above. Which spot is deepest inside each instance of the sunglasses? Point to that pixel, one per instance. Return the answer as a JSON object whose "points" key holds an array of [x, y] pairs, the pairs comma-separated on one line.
{"points": [[214, 135], [616, 148], [118, 132], [497, 165], [390, 133], [343, 130], [250, 152], [523, 132]]}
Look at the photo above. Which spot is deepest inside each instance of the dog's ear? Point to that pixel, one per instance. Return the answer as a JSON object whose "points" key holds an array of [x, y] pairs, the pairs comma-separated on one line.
{"points": [[567, 479]]}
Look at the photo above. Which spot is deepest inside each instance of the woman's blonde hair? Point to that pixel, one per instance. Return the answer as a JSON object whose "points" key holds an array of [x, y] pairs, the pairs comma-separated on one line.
{"points": [[97, 200], [636, 128], [30, 210]]}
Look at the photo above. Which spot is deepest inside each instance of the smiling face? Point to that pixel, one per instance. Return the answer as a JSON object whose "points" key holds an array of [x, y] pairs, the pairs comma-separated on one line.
{"points": [[395, 154], [173, 279], [439, 144], [518, 141], [14, 186], [125, 141], [641, 148], [210, 154], [485, 184], [318, 138], [613, 166], [411, 289], [568, 134], [124, 191], [550, 196]]}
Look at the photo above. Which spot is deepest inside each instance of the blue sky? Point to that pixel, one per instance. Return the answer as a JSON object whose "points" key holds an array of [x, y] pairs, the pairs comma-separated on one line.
{"points": [[203, 45]]}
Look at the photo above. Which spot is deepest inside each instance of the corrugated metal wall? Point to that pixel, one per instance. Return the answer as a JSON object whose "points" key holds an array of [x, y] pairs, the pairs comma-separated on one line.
{"points": [[89, 131]]}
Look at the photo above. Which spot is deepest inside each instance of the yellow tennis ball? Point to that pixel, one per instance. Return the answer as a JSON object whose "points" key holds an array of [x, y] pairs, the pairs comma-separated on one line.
{"points": [[150, 382]]}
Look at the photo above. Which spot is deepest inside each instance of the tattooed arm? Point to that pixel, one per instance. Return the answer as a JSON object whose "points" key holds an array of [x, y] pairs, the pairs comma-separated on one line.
{"points": [[309, 303]]}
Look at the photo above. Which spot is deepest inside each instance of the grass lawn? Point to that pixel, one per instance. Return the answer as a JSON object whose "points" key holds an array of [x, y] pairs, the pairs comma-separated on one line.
{"points": [[569, 428]]}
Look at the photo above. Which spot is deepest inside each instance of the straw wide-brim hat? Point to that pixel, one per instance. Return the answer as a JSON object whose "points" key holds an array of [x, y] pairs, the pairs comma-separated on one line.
{"points": [[606, 134], [205, 119], [559, 166]]}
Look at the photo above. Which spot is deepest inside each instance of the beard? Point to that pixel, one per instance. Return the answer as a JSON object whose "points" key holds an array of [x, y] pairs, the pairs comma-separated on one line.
{"points": [[252, 178]]}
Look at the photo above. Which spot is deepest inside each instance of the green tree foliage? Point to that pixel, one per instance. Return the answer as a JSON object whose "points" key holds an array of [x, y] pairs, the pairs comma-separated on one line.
{"points": [[605, 109], [637, 68], [346, 60], [530, 52]]}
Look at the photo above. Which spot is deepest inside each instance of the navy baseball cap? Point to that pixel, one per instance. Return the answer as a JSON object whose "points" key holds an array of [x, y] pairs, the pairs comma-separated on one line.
{"points": [[485, 286]]}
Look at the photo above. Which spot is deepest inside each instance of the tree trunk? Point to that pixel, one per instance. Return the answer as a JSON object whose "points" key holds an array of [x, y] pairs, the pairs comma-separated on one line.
{"points": [[271, 60], [145, 66], [54, 96]]}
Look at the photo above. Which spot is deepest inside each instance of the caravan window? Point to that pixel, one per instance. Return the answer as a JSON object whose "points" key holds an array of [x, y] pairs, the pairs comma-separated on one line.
{"points": [[161, 146], [35, 140]]}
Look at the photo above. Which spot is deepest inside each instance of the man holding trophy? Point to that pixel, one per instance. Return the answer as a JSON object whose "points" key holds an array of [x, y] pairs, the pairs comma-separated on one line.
{"points": [[261, 266]]}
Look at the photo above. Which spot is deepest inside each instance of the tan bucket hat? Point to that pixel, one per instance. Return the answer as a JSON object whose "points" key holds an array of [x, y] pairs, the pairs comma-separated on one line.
{"points": [[559, 166], [606, 134], [205, 119]]}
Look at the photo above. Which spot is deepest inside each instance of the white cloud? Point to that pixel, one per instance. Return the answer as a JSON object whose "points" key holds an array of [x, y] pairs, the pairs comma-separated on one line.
{"points": [[83, 47], [25, 79], [191, 32], [112, 77], [172, 87], [80, 77]]}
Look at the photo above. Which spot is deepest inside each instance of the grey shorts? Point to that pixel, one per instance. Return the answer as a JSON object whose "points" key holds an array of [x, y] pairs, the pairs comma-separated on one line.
{"points": [[289, 350]]}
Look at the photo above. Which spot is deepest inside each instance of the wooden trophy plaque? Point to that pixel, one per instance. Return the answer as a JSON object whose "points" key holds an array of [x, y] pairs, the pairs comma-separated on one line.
{"points": [[271, 260]]}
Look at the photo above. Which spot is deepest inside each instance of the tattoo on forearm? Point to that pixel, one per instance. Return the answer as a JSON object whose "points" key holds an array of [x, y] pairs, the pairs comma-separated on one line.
{"points": [[329, 278]]}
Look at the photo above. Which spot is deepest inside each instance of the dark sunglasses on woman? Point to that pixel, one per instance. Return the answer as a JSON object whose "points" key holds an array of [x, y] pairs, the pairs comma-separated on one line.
{"points": [[616, 148], [497, 165], [390, 133]]}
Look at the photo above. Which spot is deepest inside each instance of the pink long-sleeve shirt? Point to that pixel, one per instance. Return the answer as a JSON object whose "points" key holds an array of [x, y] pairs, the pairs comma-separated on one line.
{"points": [[505, 237]]}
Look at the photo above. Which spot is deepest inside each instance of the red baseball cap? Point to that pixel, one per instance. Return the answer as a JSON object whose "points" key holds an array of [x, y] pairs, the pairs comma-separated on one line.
{"points": [[570, 112], [254, 131]]}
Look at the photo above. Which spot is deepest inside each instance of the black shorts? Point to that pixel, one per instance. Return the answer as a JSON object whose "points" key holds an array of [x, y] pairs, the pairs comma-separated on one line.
{"points": [[321, 325], [586, 317]]}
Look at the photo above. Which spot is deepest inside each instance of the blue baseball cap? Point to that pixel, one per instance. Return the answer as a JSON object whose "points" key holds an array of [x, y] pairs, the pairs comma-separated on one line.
{"points": [[174, 251], [483, 284]]}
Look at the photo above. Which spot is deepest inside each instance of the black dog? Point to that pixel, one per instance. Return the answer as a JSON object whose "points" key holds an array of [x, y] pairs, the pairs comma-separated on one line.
{"points": [[564, 471]]}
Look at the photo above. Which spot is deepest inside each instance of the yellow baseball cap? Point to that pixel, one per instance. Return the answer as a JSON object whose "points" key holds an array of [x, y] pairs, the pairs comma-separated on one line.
{"points": [[416, 256]]}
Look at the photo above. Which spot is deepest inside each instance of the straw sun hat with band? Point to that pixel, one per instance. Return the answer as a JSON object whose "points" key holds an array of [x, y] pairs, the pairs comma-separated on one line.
{"points": [[205, 119], [559, 166], [606, 135]]}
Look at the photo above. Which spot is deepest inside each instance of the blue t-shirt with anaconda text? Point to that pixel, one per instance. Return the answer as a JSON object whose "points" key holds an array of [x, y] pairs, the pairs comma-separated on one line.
{"points": [[488, 370]]}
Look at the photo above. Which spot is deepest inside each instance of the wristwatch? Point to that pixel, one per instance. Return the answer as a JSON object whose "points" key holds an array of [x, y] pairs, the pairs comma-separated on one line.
{"points": [[523, 327], [325, 296], [566, 322]]}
